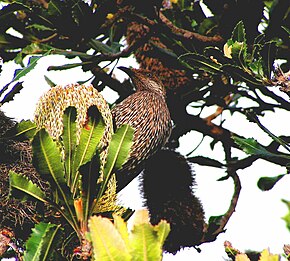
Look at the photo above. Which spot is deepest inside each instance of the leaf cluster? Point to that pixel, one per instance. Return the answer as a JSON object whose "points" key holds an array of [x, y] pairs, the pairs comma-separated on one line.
{"points": [[78, 186]]}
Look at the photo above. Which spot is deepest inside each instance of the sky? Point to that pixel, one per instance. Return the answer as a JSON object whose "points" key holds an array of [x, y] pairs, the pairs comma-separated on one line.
{"points": [[257, 222]]}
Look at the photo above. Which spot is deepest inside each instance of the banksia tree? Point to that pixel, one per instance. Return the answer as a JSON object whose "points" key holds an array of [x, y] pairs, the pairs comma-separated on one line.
{"points": [[209, 54]]}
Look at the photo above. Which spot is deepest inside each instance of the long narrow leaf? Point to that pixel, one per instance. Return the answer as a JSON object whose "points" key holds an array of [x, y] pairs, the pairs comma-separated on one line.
{"points": [[108, 244], [22, 131], [118, 153], [240, 75], [90, 173], [10, 95], [41, 244], [69, 139], [90, 137], [21, 187], [195, 61], [47, 161]]}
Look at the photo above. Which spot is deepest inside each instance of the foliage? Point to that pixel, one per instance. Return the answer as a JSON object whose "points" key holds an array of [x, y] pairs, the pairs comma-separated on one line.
{"points": [[233, 55], [114, 242], [76, 193], [236, 255]]}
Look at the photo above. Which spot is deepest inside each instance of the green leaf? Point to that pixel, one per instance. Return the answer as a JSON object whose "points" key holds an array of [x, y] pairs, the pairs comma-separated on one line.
{"points": [[48, 162], [102, 47], [163, 229], [144, 243], [239, 53], [239, 34], [205, 161], [67, 66], [25, 129], [40, 27], [107, 243], [267, 183], [195, 61], [90, 173], [287, 216], [69, 139], [121, 227], [251, 146], [268, 54], [30, 66], [10, 95], [49, 81], [54, 7], [23, 188], [42, 242], [240, 75], [90, 137], [118, 152]]}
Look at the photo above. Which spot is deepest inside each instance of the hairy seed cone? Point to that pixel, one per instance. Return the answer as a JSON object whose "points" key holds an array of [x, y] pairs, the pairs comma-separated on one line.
{"points": [[167, 185]]}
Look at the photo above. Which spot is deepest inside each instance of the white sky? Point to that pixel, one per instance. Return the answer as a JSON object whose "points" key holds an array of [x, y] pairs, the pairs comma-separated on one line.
{"points": [[257, 222]]}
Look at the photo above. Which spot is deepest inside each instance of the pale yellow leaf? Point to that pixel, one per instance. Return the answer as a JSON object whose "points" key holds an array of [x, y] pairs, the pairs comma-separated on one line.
{"points": [[122, 228], [242, 257], [267, 256], [107, 243], [141, 217]]}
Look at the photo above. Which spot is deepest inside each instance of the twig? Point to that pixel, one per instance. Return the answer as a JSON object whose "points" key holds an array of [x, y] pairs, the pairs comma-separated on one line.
{"points": [[188, 34], [209, 237]]}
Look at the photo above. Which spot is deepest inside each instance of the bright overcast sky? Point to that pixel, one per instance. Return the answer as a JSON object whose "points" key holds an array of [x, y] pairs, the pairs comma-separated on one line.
{"points": [[257, 222]]}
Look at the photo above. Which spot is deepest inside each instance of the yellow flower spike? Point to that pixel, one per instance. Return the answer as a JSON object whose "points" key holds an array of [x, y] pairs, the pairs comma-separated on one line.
{"points": [[174, 1]]}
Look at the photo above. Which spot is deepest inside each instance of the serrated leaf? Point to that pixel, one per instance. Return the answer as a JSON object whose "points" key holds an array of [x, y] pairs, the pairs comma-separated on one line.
{"points": [[90, 137], [102, 47], [195, 61], [40, 27], [10, 95], [41, 243], [204, 161], [240, 75], [163, 229], [268, 54], [251, 146], [107, 243], [144, 243], [118, 152], [90, 173], [30, 66], [121, 227], [267, 256], [23, 130], [267, 183], [239, 34], [21, 187], [48, 162]]}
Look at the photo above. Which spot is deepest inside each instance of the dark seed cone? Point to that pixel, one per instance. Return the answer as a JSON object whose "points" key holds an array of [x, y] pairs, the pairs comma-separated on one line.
{"points": [[167, 186]]}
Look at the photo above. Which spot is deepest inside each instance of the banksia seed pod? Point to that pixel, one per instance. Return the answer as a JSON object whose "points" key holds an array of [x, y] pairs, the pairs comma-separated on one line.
{"points": [[51, 106], [171, 78], [167, 186]]}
